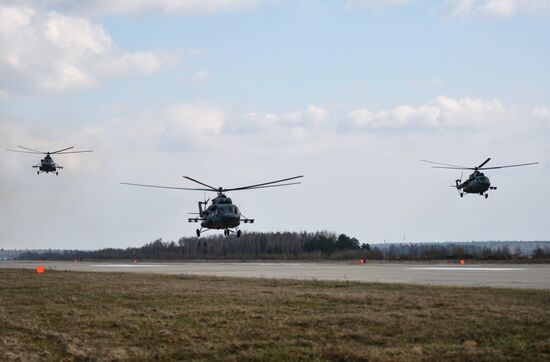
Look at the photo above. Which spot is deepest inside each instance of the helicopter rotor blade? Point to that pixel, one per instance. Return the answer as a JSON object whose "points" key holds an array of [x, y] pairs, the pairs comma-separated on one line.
{"points": [[444, 164], [64, 153], [212, 188], [165, 187], [30, 149], [34, 153], [506, 166], [262, 187], [455, 168], [483, 164], [264, 184], [61, 150]]}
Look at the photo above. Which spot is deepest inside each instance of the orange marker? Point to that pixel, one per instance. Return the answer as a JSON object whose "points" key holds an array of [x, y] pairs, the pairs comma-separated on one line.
{"points": [[461, 262], [40, 269], [362, 261]]}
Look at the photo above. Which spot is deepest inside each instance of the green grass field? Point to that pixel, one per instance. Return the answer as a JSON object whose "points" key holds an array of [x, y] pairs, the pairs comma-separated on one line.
{"points": [[118, 316]]}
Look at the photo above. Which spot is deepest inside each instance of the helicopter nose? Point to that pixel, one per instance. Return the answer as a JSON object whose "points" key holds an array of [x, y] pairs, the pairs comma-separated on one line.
{"points": [[231, 216]]}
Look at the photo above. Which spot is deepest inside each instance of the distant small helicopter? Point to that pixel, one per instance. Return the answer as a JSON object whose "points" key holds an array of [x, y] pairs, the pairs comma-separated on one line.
{"points": [[47, 164], [477, 183], [221, 214]]}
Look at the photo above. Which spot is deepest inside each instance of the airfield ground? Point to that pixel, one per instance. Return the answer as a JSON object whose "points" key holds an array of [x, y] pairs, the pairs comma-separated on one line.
{"points": [[133, 316], [471, 274]]}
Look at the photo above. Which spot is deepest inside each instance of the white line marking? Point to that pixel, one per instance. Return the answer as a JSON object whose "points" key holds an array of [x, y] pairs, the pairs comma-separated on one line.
{"points": [[466, 268], [124, 265]]}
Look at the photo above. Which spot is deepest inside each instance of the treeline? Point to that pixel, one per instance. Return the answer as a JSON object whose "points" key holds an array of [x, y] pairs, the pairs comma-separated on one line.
{"points": [[273, 245], [291, 246], [456, 251]]}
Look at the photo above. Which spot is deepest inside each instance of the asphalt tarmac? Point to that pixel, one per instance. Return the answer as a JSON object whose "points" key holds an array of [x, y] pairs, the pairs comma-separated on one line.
{"points": [[491, 275]]}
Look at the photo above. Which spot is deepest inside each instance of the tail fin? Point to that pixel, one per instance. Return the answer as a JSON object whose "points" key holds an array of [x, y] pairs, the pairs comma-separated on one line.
{"points": [[200, 209], [459, 182]]}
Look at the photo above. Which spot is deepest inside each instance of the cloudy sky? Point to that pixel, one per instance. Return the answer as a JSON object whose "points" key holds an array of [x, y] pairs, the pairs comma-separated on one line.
{"points": [[350, 93]]}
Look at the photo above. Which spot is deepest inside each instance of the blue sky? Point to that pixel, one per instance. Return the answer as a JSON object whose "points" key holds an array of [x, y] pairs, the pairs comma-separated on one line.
{"points": [[350, 93]]}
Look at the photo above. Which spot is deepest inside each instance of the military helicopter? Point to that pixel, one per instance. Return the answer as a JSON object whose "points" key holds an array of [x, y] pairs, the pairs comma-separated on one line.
{"points": [[221, 214], [47, 164], [477, 183]]}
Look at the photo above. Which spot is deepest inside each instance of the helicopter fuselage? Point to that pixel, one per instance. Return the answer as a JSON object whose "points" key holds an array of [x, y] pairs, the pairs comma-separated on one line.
{"points": [[47, 164], [477, 183], [221, 214]]}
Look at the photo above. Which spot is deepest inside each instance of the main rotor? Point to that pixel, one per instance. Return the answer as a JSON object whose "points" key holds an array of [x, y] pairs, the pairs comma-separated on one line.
{"points": [[62, 151], [221, 190], [476, 168]]}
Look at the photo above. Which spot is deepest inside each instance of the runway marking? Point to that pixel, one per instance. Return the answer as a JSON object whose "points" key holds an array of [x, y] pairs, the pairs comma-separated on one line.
{"points": [[124, 265], [465, 268]]}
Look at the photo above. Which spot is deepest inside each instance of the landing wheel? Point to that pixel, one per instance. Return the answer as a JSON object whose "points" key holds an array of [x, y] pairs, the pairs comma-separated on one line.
{"points": [[38, 172], [486, 195], [56, 173], [198, 233], [226, 232], [238, 233], [461, 194]]}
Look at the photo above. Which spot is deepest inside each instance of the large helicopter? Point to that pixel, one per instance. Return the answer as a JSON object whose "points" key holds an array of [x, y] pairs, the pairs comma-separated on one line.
{"points": [[477, 182], [221, 214], [47, 164]]}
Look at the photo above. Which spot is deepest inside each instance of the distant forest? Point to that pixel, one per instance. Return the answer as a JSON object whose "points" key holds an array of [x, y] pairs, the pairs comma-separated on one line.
{"points": [[294, 246]]}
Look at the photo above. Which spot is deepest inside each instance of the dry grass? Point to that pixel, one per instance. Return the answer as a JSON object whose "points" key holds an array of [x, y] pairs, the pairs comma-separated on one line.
{"points": [[116, 316]]}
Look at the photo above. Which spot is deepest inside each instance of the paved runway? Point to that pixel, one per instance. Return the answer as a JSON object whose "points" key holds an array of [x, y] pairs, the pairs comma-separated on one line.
{"points": [[492, 275]]}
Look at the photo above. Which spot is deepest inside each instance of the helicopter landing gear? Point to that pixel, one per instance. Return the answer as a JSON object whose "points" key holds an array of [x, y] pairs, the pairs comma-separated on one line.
{"points": [[56, 173], [462, 194], [486, 195], [228, 232], [38, 172], [200, 231]]}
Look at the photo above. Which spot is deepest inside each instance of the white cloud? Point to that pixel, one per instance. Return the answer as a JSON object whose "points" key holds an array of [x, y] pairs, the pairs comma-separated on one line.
{"points": [[297, 121], [440, 112], [316, 114], [182, 7], [49, 51], [195, 118], [190, 126], [496, 8], [541, 113]]}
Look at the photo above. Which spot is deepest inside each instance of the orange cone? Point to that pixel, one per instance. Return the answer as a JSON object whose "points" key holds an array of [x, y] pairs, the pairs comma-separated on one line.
{"points": [[40, 269]]}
